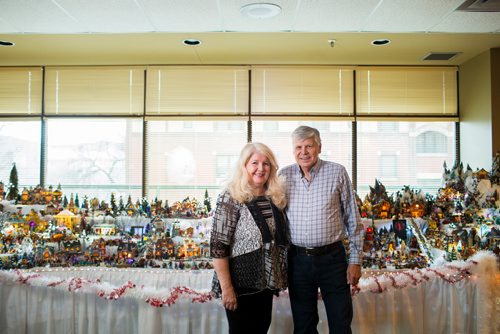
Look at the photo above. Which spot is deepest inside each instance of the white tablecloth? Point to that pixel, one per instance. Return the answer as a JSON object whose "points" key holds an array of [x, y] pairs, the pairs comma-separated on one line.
{"points": [[434, 306]]}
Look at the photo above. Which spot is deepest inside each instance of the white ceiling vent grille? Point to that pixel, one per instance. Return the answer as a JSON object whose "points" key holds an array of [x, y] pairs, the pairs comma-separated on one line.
{"points": [[440, 55]]}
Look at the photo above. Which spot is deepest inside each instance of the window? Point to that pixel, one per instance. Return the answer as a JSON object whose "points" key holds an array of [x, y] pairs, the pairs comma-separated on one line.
{"points": [[21, 90], [406, 91], [302, 90], [336, 142], [20, 145], [95, 158], [431, 142], [106, 90], [388, 166], [224, 166], [390, 157], [388, 126], [196, 124], [197, 90], [186, 163]]}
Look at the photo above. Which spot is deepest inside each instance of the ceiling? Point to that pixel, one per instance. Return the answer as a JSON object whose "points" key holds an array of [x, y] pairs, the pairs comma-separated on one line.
{"points": [[103, 32]]}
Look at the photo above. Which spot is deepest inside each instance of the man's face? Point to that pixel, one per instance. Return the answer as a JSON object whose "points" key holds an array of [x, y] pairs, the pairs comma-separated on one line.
{"points": [[306, 153]]}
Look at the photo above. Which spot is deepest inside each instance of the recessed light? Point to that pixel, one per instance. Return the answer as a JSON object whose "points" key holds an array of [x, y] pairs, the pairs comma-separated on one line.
{"points": [[382, 41], [6, 43], [191, 42], [260, 10]]}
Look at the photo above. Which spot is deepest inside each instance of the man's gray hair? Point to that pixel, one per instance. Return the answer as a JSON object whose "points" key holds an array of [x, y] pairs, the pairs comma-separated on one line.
{"points": [[304, 132]]}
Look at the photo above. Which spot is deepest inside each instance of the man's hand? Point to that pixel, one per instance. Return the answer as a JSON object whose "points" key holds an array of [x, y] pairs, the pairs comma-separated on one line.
{"points": [[353, 273]]}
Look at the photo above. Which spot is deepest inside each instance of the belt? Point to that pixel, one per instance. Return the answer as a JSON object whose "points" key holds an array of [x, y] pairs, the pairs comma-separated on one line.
{"points": [[316, 251]]}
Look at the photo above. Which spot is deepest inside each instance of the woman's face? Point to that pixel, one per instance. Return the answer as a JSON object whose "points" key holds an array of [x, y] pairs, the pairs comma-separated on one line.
{"points": [[258, 169]]}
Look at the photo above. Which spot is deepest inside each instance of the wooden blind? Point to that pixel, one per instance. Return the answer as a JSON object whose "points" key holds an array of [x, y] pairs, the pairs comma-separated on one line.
{"points": [[105, 90], [406, 91], [197, 90], [21, 90], [302, 90]]}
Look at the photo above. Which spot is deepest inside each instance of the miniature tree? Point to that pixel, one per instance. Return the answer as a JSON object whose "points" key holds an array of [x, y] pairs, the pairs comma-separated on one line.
{"points": [[77, 201], [13, 189], [495, 170], [206, 202], [121, 205], [114, 208]]}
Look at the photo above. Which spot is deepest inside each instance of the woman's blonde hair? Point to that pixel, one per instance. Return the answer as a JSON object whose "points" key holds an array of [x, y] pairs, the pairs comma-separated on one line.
{"points": [[239, 187]]}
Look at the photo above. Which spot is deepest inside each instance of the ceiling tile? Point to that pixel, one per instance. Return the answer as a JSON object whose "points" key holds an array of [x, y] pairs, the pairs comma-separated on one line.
{"points": [[409, 16], [41, 16], [471, 22], [327, 15], [183, 16], [108, 16]]}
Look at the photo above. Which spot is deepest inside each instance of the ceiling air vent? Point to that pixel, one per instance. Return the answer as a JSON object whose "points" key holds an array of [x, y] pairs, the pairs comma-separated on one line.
{"points": [[440, 55], [480, 6]]}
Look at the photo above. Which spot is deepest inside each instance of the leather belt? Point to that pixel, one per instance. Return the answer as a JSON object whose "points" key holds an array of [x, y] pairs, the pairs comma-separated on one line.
{"points": [[316, 251]]}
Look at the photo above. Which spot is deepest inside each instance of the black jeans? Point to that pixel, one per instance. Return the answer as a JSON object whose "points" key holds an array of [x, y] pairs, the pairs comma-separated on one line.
{"points": [[328, 272], [253, 314]]}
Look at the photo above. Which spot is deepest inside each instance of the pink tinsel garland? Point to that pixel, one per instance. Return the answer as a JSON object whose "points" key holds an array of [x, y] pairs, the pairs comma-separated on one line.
{"points": [[376, 283]]}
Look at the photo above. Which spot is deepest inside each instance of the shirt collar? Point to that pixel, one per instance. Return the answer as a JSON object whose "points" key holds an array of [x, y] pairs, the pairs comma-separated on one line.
{"points": [[314, 169]]}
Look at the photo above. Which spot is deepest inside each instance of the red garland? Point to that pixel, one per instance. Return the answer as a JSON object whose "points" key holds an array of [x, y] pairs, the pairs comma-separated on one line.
{"points": [[53, 284], [380, 289], [118, 292], [25, 279], [176, 293], [415, 281], [416, 276]]}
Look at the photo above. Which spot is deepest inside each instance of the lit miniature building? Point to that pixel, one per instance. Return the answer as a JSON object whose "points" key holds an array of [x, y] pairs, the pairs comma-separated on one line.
{"points": [[188, 249], [68, 219], [417, 210], [71, 246], [104, 229]]}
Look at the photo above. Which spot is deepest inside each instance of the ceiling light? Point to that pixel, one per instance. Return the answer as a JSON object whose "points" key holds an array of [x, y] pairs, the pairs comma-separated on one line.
{"points": [[6, 43], [260, 10], [381, 41], [191, 42]]}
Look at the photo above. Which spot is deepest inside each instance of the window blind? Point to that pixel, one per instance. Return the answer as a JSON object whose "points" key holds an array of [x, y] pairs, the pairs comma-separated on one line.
{"points": [[406, 91], [105, 90], [21, 90], [193, 90], [302, 90]]}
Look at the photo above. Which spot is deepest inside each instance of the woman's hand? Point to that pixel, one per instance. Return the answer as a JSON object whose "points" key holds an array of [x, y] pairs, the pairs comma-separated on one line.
{"points": [[229, 300], [221, 266]]}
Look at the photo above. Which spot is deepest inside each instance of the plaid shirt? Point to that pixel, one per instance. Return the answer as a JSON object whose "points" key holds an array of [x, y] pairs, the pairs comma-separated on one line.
{"points": [[323, 210]]}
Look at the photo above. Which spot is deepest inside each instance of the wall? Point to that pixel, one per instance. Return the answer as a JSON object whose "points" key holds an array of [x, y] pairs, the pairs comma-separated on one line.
{"points": [[475, 112], [495, 99]]}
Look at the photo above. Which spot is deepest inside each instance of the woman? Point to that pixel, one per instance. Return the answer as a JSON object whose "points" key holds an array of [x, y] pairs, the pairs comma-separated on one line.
{"points": [[249, 241]]}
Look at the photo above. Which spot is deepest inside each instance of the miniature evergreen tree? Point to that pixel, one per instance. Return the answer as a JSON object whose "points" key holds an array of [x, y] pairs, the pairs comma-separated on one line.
{"points": [[13, 189], [77, 201], [495, 170], [121, 206], [206, 202], [112, 202]]}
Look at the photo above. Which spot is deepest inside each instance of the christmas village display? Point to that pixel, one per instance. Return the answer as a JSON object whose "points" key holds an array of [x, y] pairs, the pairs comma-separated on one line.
{"points": [[41, 227]]}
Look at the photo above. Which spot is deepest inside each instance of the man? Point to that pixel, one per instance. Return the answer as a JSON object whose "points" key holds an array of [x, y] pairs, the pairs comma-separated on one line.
{"points": [[322, 212]]}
